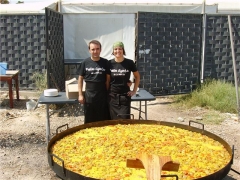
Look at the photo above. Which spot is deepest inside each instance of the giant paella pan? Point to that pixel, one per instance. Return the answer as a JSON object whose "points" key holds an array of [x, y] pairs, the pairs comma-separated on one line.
{"points": [[99, 150]]}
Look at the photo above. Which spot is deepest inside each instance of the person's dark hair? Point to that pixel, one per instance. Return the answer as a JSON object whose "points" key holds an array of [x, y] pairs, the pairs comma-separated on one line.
{"points": [[123, 51], [94, 42]]}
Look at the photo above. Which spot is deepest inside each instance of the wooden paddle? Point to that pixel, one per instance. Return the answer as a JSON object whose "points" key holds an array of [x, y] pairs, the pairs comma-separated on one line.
{"points": [[153, 165]]}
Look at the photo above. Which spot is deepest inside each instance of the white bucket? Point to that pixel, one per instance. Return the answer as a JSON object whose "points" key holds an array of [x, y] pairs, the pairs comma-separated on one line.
{"points": [[31, 105]]}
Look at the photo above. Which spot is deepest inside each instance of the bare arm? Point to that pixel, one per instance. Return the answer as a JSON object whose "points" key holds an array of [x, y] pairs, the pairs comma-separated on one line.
{"points": [[137, 81], [136, 84], [129, 83], [80, 92]]}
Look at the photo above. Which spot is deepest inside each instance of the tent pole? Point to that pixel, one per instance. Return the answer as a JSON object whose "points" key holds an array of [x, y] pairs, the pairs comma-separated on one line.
{"points": [[59, 5], [203, 41], [234, 63]]}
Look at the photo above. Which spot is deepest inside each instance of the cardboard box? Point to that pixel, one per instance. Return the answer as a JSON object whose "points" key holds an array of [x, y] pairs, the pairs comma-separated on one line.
{"points": [[72, 88]]}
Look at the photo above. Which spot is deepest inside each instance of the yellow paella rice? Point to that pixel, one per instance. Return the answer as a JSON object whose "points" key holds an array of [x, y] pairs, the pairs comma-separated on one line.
{"points": [[101, 152]]}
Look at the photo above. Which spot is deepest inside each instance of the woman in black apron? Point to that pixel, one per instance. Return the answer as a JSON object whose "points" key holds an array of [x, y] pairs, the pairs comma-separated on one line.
{"points": [[118, 75]]}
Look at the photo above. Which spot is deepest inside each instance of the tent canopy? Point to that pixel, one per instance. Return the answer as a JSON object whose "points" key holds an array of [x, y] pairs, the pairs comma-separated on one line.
{"points": [[133, 6], [124, 6], [106, 21]]}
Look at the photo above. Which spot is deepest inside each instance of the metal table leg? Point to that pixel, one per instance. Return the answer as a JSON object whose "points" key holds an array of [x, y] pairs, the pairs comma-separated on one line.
{"points": [[140, 110], [47, 123], [145, 110]]}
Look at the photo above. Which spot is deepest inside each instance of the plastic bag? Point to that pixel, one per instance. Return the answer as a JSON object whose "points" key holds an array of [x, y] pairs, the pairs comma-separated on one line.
{"points": [[31, 105]]}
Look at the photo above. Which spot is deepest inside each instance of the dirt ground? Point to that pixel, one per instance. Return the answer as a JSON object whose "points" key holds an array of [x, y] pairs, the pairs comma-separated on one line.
{"points": [[23, 146]]}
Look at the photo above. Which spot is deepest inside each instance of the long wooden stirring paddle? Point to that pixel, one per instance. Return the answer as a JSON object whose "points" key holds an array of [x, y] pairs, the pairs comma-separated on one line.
{"points": [[153, 164]]}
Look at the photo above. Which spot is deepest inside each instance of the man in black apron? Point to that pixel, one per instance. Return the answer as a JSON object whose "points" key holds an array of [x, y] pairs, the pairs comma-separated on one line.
{"points": [[93, 72]]}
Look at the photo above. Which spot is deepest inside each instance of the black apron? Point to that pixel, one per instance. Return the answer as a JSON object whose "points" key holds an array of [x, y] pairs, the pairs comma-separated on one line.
{"points": [[96, 105], [119, 104]]}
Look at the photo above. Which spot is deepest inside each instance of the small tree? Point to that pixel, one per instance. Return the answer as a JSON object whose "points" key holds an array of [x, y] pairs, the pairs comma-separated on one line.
{"points": [[4, 1]]}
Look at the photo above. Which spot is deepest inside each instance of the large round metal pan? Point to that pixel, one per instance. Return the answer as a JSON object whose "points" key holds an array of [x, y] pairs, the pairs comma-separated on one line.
{"points": [[63, 173]]}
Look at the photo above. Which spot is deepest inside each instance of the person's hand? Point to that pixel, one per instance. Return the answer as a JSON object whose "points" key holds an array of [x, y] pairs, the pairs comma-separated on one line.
{"points": [[81, 99], [131, 93], [129, 83]]}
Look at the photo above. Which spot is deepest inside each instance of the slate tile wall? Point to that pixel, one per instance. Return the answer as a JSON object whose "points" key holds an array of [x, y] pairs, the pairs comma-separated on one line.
{"points": [[168, 52], [22, 39], [218, 59], [55, 50]]}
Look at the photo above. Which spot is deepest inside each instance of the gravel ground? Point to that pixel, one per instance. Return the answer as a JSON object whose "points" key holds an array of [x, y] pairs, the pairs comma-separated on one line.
{"points": [[23, 147]]}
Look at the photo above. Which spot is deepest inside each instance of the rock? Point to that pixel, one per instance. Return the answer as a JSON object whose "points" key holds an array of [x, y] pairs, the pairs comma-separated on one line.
{"points": [[198, 118], [234, 118], [180, 119]]}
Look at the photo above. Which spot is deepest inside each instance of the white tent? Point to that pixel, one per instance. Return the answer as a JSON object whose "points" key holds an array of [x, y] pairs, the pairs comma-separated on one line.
{"points": [[134, 7], [27, 8], [123, 6], [226, 6], [113, 20], [109, 21]]}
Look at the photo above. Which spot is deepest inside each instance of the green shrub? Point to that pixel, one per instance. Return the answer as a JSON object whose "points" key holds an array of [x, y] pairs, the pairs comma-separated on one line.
{"points": [[214, 94], [40, 80]]}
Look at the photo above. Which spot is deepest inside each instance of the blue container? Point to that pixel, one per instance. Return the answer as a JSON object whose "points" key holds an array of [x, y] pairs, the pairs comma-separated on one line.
{"points": [[3, 68]]}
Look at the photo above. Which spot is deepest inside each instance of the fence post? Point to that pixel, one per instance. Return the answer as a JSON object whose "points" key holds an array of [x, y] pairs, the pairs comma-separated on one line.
{"points": [[234, 63]]}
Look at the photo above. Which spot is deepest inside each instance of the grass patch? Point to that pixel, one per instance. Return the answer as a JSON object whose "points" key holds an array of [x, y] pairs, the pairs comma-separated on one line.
{"points": [[213, 94], [40, 80], [217, 96], [212, 117]]}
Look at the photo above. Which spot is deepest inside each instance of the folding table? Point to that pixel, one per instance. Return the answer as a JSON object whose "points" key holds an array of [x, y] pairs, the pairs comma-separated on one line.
{"points": [[143, 95]]}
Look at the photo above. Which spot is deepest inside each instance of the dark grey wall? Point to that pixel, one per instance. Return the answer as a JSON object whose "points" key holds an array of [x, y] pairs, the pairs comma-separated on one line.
{"points": [[172, 65], [218, 59], [55, 49], [169, 48], [23, 46]]}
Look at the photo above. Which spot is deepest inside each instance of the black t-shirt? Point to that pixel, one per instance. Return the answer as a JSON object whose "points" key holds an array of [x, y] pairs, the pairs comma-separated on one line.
{"points": [[94, 71], [120, 73]]}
